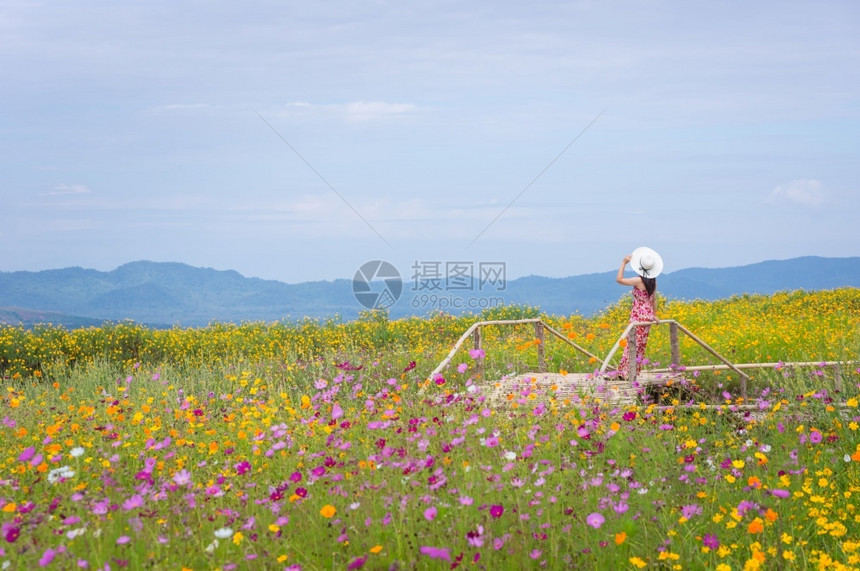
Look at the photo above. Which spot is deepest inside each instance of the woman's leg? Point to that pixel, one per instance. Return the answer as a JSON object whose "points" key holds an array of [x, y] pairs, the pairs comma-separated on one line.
{"points": [[641, 342]]}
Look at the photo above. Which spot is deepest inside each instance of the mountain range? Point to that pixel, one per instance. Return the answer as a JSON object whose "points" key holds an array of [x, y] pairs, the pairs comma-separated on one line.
{"points": [[164, 294]]}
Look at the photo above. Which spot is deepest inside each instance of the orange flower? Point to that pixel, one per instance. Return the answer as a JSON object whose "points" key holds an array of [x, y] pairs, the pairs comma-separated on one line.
{"points": [[328, 511], [756, 526], [620, 537]]}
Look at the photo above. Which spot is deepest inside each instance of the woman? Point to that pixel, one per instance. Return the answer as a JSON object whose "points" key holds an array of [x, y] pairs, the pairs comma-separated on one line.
{"points": [[648, 265]]}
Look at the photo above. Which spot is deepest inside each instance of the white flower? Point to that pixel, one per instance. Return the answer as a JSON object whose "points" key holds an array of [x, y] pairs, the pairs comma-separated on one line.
{"points": [[63, 472], [73, 533], [847, 457], [211, 547], [510, 455], [77, 451], [354, 505], [224, 533]]}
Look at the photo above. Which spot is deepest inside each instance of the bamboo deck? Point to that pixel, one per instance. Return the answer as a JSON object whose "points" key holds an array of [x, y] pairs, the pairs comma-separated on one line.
{"points": [[574, 389]]}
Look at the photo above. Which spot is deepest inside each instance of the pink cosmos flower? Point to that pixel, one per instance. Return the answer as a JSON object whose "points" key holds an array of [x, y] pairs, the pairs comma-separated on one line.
{"points": [[595, 520], [47, 557], [27, 454], [430, 513], [496, 511], [690, 510], [435, 552], [182, 477], [133, 503]]}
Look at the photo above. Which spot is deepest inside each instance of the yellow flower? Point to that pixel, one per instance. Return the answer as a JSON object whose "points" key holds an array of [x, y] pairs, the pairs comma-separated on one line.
{"points": [[638, 562], [238, 537], [788, 555], [328, 511]]}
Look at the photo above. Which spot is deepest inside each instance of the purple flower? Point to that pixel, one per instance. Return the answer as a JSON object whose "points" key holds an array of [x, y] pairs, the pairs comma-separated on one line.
{"points": [[710, 540], [12, 533], [27, 454], [690, 510], [477, 353], [780, 493], [815, 437], [123, 539], [435, 552], [47, 557], [430, 513], [595, 520], [357, 563], [182, 477], [133, 503], [496, 511]]}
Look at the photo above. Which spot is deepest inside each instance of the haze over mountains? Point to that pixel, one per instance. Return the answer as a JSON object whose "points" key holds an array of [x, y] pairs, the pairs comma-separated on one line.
{"points": [[169, 293]]}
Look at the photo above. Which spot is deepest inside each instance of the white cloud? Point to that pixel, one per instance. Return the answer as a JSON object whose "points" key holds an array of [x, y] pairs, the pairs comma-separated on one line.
{"points": [[806, 192], [64, 189]]}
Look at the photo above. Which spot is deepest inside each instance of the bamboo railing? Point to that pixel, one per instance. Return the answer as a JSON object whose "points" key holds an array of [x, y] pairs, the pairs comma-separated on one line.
{"points": [[629, 333]]}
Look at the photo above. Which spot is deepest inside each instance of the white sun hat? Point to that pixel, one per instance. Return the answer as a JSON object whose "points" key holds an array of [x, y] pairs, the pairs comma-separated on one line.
{"points": [[646, 262]]}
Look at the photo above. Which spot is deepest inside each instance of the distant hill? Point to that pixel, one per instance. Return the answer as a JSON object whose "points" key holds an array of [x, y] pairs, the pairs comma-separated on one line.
{"points": [[168, 293]]}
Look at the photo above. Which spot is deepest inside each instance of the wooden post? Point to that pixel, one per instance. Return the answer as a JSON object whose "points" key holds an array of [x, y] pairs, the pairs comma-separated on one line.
{"points": [[631, 355], [837, 377], [476, 337], [541, 350], [673, 343]]}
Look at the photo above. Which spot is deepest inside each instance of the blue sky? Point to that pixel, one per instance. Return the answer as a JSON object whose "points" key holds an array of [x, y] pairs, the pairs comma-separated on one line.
{"points": [[718, 133]]}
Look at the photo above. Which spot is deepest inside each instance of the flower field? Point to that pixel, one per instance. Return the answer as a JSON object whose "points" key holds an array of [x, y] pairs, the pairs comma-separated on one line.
{"points": [[323, 445]]}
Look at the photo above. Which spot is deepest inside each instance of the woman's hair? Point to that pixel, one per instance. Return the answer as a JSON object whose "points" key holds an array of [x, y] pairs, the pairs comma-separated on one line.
{"points": [[650, 285]]}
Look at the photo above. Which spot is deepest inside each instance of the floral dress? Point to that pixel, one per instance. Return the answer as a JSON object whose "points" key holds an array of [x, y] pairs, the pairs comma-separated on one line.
{"points": [[642, 310]]}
